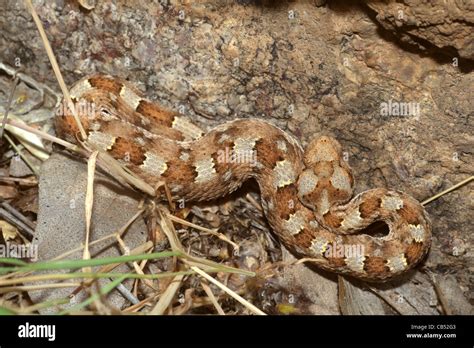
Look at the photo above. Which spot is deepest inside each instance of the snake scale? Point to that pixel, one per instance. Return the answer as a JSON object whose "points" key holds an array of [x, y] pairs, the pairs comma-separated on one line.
{"points": [[306, 195]]}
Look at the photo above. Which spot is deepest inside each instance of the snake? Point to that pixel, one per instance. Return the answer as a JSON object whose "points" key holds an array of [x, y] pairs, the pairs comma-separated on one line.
{"points": [[307, 195]]}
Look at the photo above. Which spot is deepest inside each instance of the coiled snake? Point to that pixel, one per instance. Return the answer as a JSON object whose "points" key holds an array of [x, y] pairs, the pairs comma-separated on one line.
{"points": [[306, 195]]}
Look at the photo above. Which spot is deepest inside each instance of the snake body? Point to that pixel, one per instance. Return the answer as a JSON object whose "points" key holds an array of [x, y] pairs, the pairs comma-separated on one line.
{"points": [[306, 195]]}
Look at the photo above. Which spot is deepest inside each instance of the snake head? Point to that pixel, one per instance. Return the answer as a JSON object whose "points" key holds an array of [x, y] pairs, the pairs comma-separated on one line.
{"points": [[327, 179]]}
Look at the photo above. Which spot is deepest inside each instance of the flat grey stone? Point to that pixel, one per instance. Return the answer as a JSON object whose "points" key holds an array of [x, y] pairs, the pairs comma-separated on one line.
{"points": [[61, 220], [18, 167]]}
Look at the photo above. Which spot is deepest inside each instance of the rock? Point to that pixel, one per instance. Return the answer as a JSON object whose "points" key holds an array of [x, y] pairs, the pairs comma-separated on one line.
{"points": [[18, 167], [446, 25], [355, 299], [451, 296], [303, 281], [61, 220], [411, 294]]}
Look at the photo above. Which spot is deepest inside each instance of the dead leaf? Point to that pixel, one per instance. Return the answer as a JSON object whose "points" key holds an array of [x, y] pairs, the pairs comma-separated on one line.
{"points": [[9, 232]]}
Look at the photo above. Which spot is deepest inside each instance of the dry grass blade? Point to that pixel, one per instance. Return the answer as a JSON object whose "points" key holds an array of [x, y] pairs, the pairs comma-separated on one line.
{"points": [[167, 296], [452, 188], [41, 305], [28, 181], [18, 215], [9, 102], [306, 259], [210, 266], [37, 287], [232, 293], [117, 169], [105, 160], [207, 230], [193, 262], [22, 156], [108, 268], [89, 203], [213, 299], [168, 228], [55, 66], [136, 307], [124, 176], [28, 139], [8, 216], [44, 135], [38, 86]]}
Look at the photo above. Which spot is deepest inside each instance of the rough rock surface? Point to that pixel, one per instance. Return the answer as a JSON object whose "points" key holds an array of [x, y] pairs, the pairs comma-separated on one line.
{"points": [[312, 70], [319, 290], [445, 25]]}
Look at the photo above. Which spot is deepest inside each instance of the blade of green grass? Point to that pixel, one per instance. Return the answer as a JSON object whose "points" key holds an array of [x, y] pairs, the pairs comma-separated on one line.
{"points": [[6, 311], [79, 275], [74, 264], [103, 291], [13, 261]]}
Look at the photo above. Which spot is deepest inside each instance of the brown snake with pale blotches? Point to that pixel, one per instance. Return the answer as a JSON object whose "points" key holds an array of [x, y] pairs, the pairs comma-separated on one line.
{"points": [[306, 195]]}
